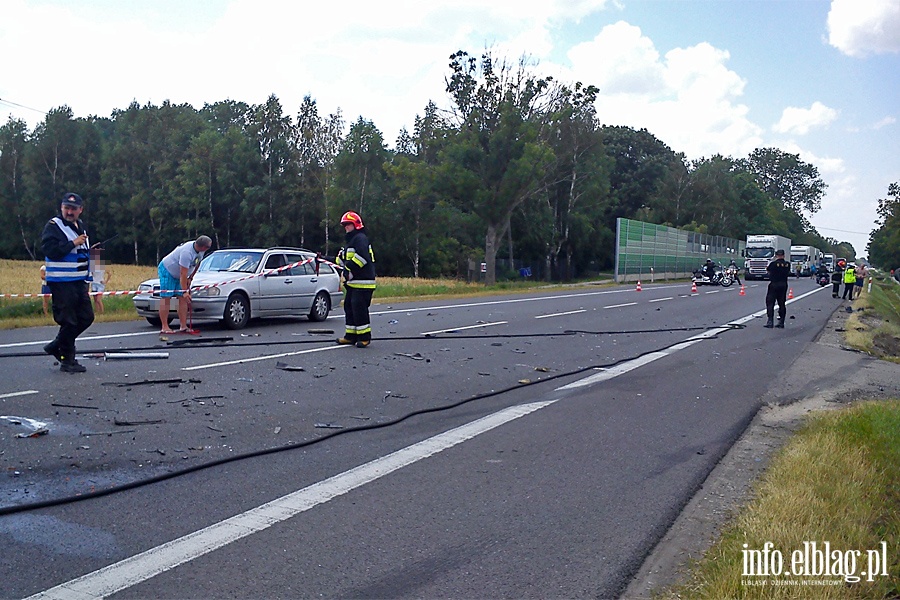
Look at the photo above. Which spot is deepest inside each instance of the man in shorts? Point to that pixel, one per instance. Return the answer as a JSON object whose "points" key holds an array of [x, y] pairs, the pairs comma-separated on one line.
{"points": [[175, 273]]}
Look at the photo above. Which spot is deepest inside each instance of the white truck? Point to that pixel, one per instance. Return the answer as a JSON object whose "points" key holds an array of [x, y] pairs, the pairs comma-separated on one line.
{"points": [[830, 261], [803, 259], [760, 251]]}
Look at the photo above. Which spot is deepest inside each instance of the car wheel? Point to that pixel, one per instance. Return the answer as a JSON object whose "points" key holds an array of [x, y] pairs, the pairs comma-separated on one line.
{"points": [[157, 322], [320, 308], [237, 311]]}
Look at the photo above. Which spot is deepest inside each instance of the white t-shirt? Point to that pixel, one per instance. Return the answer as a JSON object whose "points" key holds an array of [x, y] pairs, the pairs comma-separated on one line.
{"points": [[182, 256]]}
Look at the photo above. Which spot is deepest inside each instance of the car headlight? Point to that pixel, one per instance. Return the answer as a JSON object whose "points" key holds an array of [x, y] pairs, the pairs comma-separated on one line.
{"points": [[145, 288], [205, 292]]}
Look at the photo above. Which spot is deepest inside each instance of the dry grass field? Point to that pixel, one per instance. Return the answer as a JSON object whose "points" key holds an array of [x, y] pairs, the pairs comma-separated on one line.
{"points": [[24, 277]]}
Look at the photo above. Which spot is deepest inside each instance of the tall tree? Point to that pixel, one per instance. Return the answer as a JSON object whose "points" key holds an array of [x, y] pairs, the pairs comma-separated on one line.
{"points": [[498, 159], [884, 242], [786, 178]]}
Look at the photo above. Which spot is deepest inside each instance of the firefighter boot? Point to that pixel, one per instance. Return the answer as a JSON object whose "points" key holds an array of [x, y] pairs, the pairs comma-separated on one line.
{"points": [[346, 340], [770, 323]]}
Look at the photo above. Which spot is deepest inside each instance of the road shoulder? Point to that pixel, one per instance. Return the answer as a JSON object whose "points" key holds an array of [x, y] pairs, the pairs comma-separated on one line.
{"points": [[826, 376]]}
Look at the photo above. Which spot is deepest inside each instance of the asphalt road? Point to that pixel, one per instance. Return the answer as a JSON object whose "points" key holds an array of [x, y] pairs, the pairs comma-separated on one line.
{"points": [[586, 418]]}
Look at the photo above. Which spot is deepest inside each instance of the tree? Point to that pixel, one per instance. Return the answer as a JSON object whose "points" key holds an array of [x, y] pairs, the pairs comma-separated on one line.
{"points": [[786, 178], [884, 242], [497, 159], [13, 141]]}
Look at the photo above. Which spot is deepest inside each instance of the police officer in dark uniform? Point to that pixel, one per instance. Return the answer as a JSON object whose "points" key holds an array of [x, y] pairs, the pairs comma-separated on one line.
{"points": [[779, 270], [64, 242]]}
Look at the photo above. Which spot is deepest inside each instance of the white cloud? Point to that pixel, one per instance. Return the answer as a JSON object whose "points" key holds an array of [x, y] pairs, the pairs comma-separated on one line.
{"points": [[861, 27], [800, 121], [688, 99]]}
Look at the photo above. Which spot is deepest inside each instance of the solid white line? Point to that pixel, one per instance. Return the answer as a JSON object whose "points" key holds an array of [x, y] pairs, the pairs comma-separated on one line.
{"points": [[14, 394], [141, 567], [82, 339], [562, 314], [452, 329], [713, 292], [256, 358], [620, 305], [662, 299]]}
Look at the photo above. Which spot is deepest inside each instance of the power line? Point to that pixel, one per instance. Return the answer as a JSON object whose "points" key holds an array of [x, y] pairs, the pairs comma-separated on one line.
{"points": [[16, 104], [845, 231]]}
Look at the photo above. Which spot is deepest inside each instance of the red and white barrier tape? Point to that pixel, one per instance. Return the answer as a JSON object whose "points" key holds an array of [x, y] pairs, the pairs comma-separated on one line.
{"points": [[193, 288]]}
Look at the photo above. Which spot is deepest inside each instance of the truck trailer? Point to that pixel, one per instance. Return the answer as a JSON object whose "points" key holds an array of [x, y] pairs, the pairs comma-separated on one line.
{"points": [[760, 251]]}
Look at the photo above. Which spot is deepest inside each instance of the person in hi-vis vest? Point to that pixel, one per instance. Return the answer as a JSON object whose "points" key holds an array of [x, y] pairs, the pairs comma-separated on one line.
{"points": [[66, 248]]}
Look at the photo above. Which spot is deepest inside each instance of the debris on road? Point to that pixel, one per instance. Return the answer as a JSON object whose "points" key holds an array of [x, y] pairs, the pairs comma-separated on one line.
{"points": [[287, 367], [328, 426], [131, 423], [416, 356], [60, 405]]}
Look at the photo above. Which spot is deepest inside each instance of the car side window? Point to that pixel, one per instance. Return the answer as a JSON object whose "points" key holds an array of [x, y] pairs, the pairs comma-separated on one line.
{"points": [[298, 269], [276, 261]]}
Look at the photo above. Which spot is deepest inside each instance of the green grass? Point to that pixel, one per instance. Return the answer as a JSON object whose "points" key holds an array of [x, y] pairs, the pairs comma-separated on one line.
{"points": [[838, 480]]}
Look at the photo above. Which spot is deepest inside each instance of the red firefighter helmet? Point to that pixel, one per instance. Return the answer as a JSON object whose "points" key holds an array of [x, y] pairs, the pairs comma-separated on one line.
{"points": [[352, 218]]}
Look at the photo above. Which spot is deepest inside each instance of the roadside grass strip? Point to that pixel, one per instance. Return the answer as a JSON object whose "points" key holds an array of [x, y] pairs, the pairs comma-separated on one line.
{"points": [[824, 522]]}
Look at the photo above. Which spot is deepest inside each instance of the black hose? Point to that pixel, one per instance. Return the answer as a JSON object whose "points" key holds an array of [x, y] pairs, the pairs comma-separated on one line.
{"points": [[9, 510]]}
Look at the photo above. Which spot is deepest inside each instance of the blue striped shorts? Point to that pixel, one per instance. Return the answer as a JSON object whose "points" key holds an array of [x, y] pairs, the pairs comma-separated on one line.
{"points": [[167, 283]]}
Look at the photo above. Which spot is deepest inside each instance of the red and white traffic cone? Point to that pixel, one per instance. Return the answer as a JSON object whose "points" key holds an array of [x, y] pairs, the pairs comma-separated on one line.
{"points": [[743, 293], [791, 294], [693, 287], [638, 288]]}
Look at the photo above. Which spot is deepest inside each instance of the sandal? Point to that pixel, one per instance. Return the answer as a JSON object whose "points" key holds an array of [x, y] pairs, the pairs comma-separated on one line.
{"points": [[167, 332], [186, 330]]}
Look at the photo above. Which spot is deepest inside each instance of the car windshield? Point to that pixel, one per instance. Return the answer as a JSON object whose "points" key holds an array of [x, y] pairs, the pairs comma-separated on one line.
{"points": [[231, 260], [760, 252]]}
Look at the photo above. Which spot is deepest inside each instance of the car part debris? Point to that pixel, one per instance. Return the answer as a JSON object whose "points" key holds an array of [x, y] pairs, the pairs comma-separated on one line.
{"points": [[321, 332], [415, 356], [328, 426], [149, 382], [60, 405], [287, 367], [35, 433], [132, 423]]}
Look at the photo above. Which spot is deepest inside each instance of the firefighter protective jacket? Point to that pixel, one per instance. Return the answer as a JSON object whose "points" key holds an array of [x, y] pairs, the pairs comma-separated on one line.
{"points": [[358, 261]]}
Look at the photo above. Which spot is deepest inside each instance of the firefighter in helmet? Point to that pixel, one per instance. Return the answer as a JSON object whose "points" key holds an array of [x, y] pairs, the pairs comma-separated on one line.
{"points": [[357, 262]]}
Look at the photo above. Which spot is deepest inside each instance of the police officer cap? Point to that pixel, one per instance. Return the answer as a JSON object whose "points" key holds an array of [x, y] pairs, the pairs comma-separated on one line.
{"points": [[779, 253], [72, 199]]}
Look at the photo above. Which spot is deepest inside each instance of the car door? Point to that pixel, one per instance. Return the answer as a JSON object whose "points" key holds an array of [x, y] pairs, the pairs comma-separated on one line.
{"points": [[276, 290], [305, 282]]}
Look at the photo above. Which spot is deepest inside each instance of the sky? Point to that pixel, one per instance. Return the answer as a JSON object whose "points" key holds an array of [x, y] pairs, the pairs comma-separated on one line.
{"points": [[818, 78]]}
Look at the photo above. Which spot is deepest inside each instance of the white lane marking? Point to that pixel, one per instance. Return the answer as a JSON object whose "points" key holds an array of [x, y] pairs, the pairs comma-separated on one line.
{"points": [[662, 299], [22, 393], [621, 305], [141, 567], [452, 329], [562, 314], [256, 358], [713, 292], [136, 569], [82, 339]]}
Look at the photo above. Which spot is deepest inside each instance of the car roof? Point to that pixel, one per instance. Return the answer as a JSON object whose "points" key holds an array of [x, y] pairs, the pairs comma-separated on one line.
{"points": [[274, 248]]}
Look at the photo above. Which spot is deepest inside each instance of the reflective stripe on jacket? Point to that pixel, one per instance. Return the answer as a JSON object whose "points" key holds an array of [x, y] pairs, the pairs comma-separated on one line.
{"points": [[358, 261], [74, 266]]}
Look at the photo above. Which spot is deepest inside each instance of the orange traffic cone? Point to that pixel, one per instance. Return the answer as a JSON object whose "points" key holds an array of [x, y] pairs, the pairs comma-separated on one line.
{"points": [[693, 287], [638, 288], [790, 293], [743, 293]]}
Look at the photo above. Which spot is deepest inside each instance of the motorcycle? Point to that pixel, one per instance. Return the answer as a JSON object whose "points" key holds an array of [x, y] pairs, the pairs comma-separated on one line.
{"points": [[720, 277], [823, 279]]}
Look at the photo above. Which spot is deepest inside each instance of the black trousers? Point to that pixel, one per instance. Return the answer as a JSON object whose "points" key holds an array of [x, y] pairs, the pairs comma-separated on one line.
{"points": [[356, 313], [848, 289], [777, 292], [72, 311]]}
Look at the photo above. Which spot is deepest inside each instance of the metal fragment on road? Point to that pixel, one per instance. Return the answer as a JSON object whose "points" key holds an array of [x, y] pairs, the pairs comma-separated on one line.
{"points": [[287, 367], [416, 356], [328, 426], [133, 355]]}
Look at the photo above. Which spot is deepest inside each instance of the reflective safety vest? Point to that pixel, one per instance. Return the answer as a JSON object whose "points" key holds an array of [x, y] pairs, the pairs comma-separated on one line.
{"points": [[74, 266], [850, 275]]}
